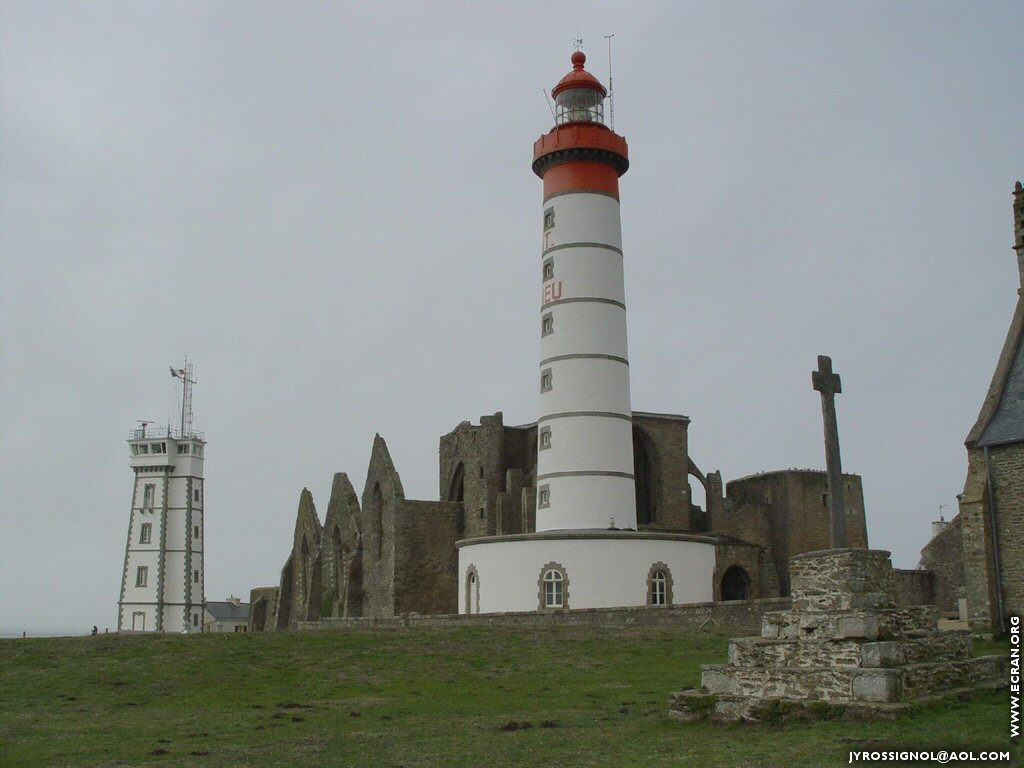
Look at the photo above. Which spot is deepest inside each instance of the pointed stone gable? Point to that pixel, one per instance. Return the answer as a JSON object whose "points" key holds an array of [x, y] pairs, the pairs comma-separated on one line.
{"points": [[383, 497], [341, 550], [300, 578]]}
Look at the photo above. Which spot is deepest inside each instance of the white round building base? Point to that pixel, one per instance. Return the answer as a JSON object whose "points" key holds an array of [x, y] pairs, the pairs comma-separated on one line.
{"points": [[566, 569]]}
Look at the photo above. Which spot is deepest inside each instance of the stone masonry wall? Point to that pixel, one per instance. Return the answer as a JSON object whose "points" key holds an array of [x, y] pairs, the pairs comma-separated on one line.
{"points": [[665, 440], [914, 587], [741, 617], [787, 511], [1007, 469], [944, 557], [426, 560]]}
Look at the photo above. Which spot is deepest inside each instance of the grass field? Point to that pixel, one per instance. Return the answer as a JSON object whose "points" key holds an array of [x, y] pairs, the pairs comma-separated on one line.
{"points": [[430, 697]]}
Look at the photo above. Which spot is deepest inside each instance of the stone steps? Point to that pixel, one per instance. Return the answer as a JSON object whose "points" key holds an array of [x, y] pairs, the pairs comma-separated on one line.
{"points": [[915, 621], [694, 704], [758, 651], [844, 648]]}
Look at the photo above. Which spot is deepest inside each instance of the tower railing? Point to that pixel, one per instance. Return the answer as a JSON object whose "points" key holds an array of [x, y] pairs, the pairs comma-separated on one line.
{"points": [[166, 432]]}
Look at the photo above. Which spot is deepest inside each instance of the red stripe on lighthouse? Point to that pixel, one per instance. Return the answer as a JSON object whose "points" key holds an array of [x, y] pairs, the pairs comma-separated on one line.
{"points": [[583, 177]]}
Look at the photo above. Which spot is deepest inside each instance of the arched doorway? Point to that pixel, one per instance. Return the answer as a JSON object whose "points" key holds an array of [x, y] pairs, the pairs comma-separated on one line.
{"points": [[735, 584], [472, 591]]}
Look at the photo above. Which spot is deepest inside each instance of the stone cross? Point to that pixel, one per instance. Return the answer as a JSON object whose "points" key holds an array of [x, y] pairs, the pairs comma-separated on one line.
{"points": [[828, 384]]}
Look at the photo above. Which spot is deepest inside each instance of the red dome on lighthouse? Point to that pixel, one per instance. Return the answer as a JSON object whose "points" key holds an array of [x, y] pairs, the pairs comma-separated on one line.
{"points": [[579, 77]]}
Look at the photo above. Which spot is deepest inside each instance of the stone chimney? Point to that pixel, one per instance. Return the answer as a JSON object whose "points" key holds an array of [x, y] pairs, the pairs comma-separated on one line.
{"points": [[1018, 230]]}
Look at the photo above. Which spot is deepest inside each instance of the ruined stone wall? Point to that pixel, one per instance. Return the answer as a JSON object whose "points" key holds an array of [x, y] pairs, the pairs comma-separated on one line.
{"points": [[263, 609], [472, 471], [1007, 474], [665, 440], [944, 557], [426, 560], [914, 587], [383, 497], [786, 512], [299, 595], [341, 552], [755, 565]]}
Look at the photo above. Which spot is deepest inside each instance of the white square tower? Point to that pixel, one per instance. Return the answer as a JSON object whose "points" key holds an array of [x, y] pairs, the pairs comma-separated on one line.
{"points": [[162, 584]]}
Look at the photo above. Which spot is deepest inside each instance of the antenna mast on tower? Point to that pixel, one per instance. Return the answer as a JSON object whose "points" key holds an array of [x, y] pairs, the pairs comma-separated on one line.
{"points": [[185, 374], [611, 90]]}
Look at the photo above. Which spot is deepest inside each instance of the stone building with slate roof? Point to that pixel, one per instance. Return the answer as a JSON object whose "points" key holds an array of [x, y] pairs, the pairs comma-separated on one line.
{"points": [[992, 502], [231, 615]]}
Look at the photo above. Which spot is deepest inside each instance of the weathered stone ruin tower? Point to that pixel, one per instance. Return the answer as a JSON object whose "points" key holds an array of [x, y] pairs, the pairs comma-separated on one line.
{"points": [[162, 582]]}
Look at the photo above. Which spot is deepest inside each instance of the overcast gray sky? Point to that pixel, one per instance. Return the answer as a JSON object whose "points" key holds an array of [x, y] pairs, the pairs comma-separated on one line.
{"points": [[330, 208]]}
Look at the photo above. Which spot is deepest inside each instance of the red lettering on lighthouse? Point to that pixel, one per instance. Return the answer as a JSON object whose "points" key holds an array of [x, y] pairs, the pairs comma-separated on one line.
{"points": [[552, 292]]}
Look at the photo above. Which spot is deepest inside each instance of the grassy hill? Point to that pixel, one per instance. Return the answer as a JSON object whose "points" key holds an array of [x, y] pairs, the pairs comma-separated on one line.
{"points": [[454, 697]]}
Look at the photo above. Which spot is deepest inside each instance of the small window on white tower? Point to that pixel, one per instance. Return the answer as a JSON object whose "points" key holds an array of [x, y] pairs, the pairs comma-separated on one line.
{"points": [[547, 324], [545, 380], [143, 449], [549, 218], [195, 531], [182, 447], [195, 495], [148, 496], [544, 438], [549, 270], [197, 449], [195, 619], [544, 497], [553, 589], [195, 577], [658, 582], [145, 533], [141, 575]]}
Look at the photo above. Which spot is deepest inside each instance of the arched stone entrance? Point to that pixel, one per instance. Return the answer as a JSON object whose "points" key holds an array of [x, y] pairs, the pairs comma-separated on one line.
{"points": [[735, 584]]}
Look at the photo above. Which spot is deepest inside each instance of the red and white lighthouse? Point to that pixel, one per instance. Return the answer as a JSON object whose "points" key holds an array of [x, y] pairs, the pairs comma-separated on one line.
{"points": [[585, 551], [585, 439]]}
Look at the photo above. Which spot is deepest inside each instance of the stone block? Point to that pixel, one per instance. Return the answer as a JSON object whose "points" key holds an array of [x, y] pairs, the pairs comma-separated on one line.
{"points": [[877, 685], [887, 653], [716, 679], [842, 579], [862, 625]]}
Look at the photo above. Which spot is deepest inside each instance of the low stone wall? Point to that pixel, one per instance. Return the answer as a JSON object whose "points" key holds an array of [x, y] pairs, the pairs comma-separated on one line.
{"points": [[914, 587], [737, 617]]}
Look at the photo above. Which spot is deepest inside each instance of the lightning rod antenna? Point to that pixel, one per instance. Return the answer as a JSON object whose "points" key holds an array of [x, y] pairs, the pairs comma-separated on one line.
{"points": [[611, 89], [551, 106], [185, 374]]}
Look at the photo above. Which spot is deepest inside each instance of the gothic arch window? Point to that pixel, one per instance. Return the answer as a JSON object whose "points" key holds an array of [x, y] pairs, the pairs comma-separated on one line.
{"points": [[735, 584], [472, 590], [337, 561], [553, 588], [659, 585], [645, 474], [304, 568], [377, 515], [457, 487]]}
